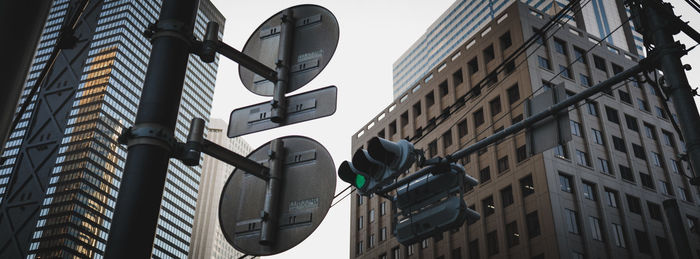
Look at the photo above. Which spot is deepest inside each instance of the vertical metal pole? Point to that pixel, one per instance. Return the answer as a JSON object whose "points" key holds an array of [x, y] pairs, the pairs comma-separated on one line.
{"points": [[688, 118], [268, 232], [279, 102], [136, 214], [675, 222], [674, 73]]}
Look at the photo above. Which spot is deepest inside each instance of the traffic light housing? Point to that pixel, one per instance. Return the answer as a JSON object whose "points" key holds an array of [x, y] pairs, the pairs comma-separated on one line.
{"points": [[429, 205], [378, 165]]}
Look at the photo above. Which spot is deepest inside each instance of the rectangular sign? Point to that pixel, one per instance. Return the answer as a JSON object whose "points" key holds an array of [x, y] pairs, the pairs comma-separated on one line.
{"points": [[301, 107], [552, 131]]}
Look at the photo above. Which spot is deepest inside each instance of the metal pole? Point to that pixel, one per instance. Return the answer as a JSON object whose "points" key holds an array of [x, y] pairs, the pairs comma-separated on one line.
{"points": [[552, 110], [136, 214], [279, 102], [268, 232], [678, 89], [675, 222]]}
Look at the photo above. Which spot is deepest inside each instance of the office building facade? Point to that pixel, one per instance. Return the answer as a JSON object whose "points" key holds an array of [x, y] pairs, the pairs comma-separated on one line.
{"points": [[599, 195], [465, 18], [60, 183], [207, 239]]}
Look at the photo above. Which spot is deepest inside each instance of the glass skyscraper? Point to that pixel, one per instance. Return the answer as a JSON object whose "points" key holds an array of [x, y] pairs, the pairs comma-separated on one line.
{"points": [[60, 183], [466, 17]]}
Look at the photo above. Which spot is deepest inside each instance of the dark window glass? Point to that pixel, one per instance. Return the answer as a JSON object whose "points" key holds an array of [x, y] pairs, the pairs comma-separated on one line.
{"points": [[462, 128], [457, 78], [631, 123], [619, 144], [484, 175], [509, 67], [639, 151], [560, 46], [527, 187], [512, 234], [521, 153], [564, 71], [444, 90], [543, 62], [646, 180], [572, 221], [599, 63], [495, 105], [492, 243], [588, 191], [474, 249], [612, 115], [473, 66], [417, 109], [503, 164], [533, 224], [513, 94], [505, 40], [478, 117], [432, 148], [664, 246], [655, 211], [642, 241], [585, 80], [592, 108], [429, 99], [507, 196], [616, 69], [634, 205], [624, 96], [580, 55], [626, 173], [565, 183], [447, 138], [489, 54], [487, 206]]}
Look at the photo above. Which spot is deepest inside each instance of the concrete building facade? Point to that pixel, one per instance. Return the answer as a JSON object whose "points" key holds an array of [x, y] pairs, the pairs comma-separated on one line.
{"points": [[597, 196], [465, 18], [207, 239]]}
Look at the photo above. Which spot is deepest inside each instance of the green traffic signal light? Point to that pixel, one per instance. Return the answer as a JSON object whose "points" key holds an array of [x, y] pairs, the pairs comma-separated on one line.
{"points": [[360, 181]]}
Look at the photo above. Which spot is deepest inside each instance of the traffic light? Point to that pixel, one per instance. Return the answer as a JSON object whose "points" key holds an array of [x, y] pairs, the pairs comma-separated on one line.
{"points": [[429, 205], [378, 165]]}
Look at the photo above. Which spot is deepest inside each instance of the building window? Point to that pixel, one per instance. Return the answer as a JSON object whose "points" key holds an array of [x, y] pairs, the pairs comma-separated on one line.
{"points": [[447, 138], [618, 235], [429, 100], [611, 198], [444, 89], [526, 186], [612, 115], [565, 183], [599, 63], [474, 249], [371, 215], [649, 131], [495, 105], [664, 187], [580, 55], [533, 224], [597, 136], [643, 242], [634, 204], [660, 112], [604, 165], [565, 72], [646, 180], [616, 69], [668, 138], [371, 240], [502, 164], [382, 208], [457, 253], [492, 243], [505, 40], [559, 46], [544, 63], [654, 211], [512, 234], [676, 166], [585, 80], [507, 196], [417, 110], [683, 194], [432, 148], [424, 243], [619, 144], [360, 222], [631, 123], [478, 117], [626, 173], [358, 250], [395, 253], [561, 152], [359, 200], [588, 192], [521, 153], [484, 175], [624, 96], [410, 249], [582, 158], [489, 54], [382, 235], [473, 66], [457, 78], [595, 228], [592, 108], [572, 221], [664, 246], [462, 128], [575, 128], [656, 159], [639, 152], [488, 206], [513, 94]]}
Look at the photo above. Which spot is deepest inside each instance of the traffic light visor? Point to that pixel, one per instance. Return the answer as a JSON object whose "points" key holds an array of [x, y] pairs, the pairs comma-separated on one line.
{"points": [[349, 174]]}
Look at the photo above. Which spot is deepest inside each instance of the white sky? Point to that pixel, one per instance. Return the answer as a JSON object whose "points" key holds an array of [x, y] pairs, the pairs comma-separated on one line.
{"points": [[373, 34]]}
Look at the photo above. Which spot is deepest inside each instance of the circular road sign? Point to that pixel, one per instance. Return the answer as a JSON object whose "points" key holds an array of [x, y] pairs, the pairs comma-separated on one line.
{"points": [[315, 37], [306, 194]]}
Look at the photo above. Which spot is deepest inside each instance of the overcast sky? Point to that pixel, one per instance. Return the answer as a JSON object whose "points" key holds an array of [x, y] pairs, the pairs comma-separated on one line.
{"points": [[373, 34]]}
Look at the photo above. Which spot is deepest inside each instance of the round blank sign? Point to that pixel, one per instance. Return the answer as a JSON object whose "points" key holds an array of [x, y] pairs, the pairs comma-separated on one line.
{"points": [[315, 37], [308, 186]]}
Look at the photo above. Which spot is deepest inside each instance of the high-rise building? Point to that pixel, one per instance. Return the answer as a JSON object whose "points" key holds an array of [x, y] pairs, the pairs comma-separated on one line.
{"points": [[599, 195], [207, 239], [61, 181], [467, 17]]}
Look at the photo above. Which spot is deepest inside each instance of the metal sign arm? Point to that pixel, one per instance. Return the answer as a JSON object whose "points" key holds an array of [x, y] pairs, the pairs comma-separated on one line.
{"points": [[279, 101]]}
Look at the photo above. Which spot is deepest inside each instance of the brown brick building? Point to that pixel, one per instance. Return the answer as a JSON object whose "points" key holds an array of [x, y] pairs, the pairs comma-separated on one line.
{"points": [[597, 196]]}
